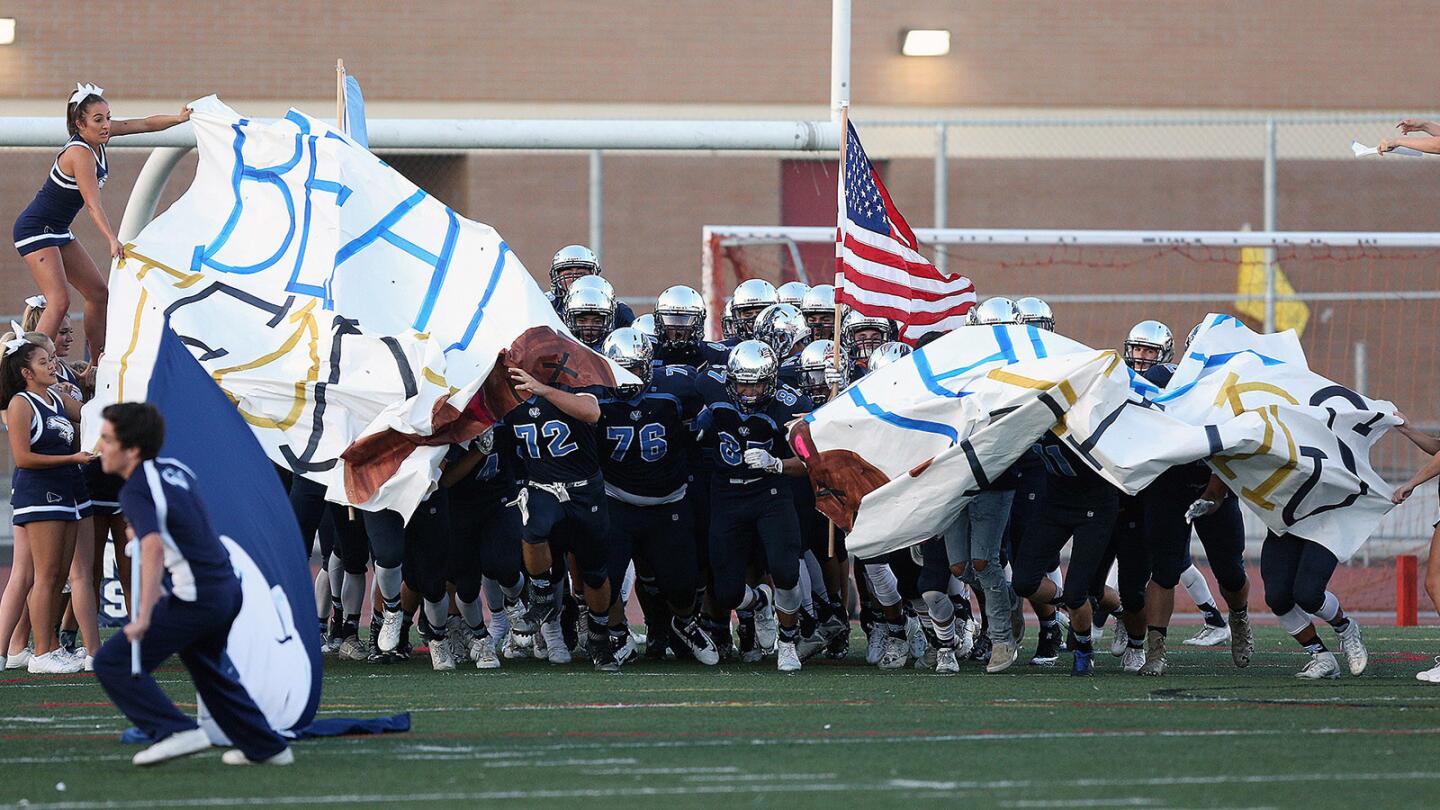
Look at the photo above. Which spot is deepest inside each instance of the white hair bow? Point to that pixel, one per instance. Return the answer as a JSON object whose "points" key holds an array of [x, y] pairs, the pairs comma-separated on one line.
{"points": [[17, 342], [83, 90], [37, 301]]}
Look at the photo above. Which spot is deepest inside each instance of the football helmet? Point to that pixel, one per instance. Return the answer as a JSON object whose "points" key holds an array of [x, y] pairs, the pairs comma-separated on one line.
{"points": [[576, 257], [679, 316], [589, 302], [783, 327], [1150, 335], [751, 296], [994, 310], [645, 325], [792, 293], [632, 351], [856, 347], [885, 354], [751, 362], [815, 358], [1035, 311]]}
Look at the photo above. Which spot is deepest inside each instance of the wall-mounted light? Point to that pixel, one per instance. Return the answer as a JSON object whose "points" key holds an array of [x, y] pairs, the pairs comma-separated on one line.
{"points": [[924, 42], [7, 30]]}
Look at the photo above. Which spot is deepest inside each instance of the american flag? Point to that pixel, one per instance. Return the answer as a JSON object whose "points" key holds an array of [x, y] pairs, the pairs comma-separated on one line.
{"points": [[878, 269]]}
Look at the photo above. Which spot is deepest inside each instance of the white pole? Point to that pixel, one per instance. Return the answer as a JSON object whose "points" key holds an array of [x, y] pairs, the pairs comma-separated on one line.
{"points": [[942, 189], [839, 58], [1362, 371], [133, 549], [597, 202], [1269, 224]]}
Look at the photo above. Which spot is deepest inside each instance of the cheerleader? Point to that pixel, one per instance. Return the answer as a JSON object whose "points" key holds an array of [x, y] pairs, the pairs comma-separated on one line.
{"points": [[42, 232], [1431, 446], [48, 488]]}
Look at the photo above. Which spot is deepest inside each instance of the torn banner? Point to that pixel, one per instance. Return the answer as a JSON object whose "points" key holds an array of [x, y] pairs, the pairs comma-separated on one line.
{"points": [[894, 456], [348, 314]]}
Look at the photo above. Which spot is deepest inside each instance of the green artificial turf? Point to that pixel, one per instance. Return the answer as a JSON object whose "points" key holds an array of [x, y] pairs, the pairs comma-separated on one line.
{"points": [[680, 735]]}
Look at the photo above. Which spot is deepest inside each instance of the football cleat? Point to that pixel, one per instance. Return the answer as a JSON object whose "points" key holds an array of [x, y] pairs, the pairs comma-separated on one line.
{"points": [[787, 659], [389, 639], [623, 648], [896, 653], [352, 648], [442, 658], [1431, 675], [602, 657], [518, 645], [1352, 643], [482, 652], [810, 646], [767, 627], [695, 640], [237, 757], [458, 636], [1002, 656], [1322, 666], [179, 744], [1047, 647], [875, 643], [984, 648], [1209, 636], [750, 651], [1121, 641], [1155, 661], [915, 636], [1084, 664], [945, 662], [1242, 641], [1132, 659], [552, 636]]}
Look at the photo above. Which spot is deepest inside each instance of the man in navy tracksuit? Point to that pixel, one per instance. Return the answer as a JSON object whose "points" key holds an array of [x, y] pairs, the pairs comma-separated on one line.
{"points": [[191, 618]]}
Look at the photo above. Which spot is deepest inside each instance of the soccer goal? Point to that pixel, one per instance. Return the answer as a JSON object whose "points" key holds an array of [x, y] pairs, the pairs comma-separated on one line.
{"points": [[1365, 305]]}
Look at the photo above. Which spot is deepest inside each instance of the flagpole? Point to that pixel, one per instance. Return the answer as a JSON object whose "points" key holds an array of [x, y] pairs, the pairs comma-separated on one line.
{"points": [[132, 548], [839, 267], [340, 95]]}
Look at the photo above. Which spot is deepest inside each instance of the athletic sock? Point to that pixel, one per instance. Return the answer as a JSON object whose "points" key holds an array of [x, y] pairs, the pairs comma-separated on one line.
{"points": [[1134, 642], [1315, 647], [790, 634], [1213, 617], [1082, 642], [1050, 625], [945, 633], [471, 614], [1161, 630]]}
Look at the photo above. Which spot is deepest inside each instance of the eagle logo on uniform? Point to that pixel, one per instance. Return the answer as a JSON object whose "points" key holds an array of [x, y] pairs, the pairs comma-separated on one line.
{"points": [[487, 441], [634, 416], [534, 413], [744, 431], [63, 426]]}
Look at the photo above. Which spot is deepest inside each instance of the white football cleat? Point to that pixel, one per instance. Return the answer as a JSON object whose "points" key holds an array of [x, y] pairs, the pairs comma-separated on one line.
{"points": [[55, 662], [1132, 659], [237, 757], [696, 640], [786, 657], [518, 645], [767, 627], [1352, 643], [391, 624], [553, 639], [482, 652], [20, 660], [1120, 642], [1242, 640], [875, 645], [1155, 660], [179, 744], [1322, 665], [1431, 675], [945, 662], [897, 652], [1209, 636], [442, 658], [915, 636]]}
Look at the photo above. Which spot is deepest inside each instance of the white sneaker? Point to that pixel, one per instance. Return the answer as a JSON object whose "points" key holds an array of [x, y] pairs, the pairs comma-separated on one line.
{"points": [[518, 644], [786, 657], [391, 623], [1209, 636], [20, 660], [442, 659], [964, 640], [482, 652], [915, 637], [87, 661], [1352, 643], [499, 626], [553, 638], [1431, 675], [945, 661], [1120, 642], [767, 627], [55, 662], [1322, 665], [875, 646], [896, 654], [696, 640], [179, 744], [1132, 659], [237, 757]]}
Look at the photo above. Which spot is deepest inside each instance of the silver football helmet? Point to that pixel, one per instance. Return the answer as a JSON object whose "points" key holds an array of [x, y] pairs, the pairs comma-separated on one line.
{"points": [[857, 346], [885, 354], [1148, 335], [1036, 312], [1195, 330], [818, 305], [597, 307], [792, 293], [783, 327], [632, 351], [593, 283], [572, 257], [751, 362], [994, 310], [750, 297], [815, 358], [645, 325], [680, 316]]}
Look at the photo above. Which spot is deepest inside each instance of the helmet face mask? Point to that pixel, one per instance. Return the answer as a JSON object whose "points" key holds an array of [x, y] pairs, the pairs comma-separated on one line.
{"points": [[630, 349], [1035, 312], [570, 263], [1149, 343], [814, 360], [589, 314], [818, 306], [751, 373], [750, 298], [783, 328]]}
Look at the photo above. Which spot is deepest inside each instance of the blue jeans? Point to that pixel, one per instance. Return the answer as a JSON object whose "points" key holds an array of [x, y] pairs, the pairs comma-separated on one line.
{"points": [[976, 535]]}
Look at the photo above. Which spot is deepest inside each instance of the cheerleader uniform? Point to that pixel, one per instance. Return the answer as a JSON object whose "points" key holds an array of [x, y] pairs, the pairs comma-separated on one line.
{"points": [[45, 222], [54, 493], [102, 488]]}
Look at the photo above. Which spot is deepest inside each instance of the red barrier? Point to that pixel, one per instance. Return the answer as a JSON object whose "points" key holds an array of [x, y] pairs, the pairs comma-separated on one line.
{"points": [[1407, 591]]}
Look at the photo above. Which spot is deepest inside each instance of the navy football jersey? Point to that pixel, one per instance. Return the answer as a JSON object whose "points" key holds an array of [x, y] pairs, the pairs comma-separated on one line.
{"points": [[702, 355], [554, 447], [790, 372], [728, 432], [1065, 472], [624, 315], [645, 440], [494, 475]]}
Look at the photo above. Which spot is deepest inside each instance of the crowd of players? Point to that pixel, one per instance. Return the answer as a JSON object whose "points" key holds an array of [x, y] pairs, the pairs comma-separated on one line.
{"points": [[682, 494]]}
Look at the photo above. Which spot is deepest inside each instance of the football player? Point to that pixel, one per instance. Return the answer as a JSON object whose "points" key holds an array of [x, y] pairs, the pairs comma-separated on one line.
{"points": [[750, 297], [680, 324], [589, 314], [818, 306], [574, 262]]}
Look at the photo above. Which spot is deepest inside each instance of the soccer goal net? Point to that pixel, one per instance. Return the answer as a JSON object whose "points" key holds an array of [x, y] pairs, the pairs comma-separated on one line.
{"points": [[1365, 305]]}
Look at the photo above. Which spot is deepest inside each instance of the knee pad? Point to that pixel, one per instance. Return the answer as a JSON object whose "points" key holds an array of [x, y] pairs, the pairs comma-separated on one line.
{"points": [[883, 584], [941, 609], [1294, 620], [1311, 600], [787, 600]]}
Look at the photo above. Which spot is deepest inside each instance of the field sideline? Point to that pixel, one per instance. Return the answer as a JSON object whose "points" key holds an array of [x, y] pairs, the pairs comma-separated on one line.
{"points": [[1206, 736]]}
